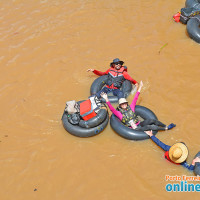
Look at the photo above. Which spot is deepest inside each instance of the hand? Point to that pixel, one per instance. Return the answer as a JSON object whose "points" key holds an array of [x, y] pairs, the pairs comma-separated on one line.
{"points": [[149, 133], [90, 70], [140, 86], [137, 85], [197, 159], [133, 125], [105, 96]]}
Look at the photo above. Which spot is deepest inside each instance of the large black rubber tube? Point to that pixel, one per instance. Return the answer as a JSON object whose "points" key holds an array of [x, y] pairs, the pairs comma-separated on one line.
{"points": [[192, 4], [129, 133], [197, 165], [193, 28], [98, 84], [79, 131], [95, 121]]}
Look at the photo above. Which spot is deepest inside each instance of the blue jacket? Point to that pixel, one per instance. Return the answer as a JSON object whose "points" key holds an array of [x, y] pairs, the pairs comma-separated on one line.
{"points": [[166, 148]]}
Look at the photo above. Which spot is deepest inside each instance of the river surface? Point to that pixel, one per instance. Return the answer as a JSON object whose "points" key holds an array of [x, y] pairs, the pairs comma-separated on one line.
{"points": [[46, 46]]}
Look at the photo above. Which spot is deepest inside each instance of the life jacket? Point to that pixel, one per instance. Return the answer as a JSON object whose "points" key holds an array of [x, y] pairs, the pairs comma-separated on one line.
{"points": [[115, 77], [125, 67], [168, 158], [87, 111], [128, 115]]}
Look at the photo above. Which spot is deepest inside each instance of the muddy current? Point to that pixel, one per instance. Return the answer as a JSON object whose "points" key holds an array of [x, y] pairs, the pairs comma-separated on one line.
{"points": [[46, 46]]}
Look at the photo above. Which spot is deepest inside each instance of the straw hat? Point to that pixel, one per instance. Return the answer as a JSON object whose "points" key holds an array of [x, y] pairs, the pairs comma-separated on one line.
{"points": [[178, 153], [122, 100]]}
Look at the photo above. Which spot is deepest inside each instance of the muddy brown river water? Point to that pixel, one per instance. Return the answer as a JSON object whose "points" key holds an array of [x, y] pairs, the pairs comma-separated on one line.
{"points": [[46, 46]]}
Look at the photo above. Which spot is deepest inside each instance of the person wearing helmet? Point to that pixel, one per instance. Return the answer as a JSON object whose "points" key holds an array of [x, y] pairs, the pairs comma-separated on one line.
{"points": [[117, 73], [126, 114]]}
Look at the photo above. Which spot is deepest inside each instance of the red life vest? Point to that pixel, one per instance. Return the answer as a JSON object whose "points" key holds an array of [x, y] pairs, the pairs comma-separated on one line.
{"points": [[86, 110], [115, 77], [168, 158]]}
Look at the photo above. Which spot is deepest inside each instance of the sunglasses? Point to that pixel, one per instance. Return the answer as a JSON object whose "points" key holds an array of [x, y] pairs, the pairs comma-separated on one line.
{"points": [[118, 63]]}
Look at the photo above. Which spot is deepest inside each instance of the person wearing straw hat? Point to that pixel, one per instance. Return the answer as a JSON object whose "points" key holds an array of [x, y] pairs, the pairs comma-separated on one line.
{"points": [[176, 153], [127, 116], [117, 73]]}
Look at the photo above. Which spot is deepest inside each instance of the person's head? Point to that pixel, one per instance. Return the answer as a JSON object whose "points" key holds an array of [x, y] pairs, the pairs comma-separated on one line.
{"points": [[71, 107], [178, 152], [123, 103], [117, 63]]}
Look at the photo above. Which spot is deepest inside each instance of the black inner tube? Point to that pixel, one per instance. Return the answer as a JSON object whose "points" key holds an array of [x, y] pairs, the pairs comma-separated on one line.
{"points": [[95, 121], [78, 131], [193, 28], [100, 82], [87, 128], [197, 165], [129, 133], [192, 4]]}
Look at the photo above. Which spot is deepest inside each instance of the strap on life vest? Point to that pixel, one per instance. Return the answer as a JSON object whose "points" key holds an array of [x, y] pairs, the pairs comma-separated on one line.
{"points": [[86, 110], [115, 77], [128, 115], [115, 73], [125, 68]]}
